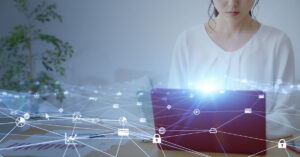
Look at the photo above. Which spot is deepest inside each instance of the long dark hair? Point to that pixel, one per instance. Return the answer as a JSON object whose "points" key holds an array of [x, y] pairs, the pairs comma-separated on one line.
{"points": [[215, 12]]}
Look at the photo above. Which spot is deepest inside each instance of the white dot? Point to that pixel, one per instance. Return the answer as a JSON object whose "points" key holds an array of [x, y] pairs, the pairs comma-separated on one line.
{"points": [[26, 116], [196, 111], [162, 130], [60, 110], [169, 106]]}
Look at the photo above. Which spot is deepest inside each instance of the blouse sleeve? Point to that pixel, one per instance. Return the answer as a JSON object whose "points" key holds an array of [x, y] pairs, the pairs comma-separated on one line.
{"points": [[279, 116], [179, 64]]}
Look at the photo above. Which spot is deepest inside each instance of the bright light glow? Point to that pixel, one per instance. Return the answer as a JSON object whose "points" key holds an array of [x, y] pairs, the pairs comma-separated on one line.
{"points": [[208, 85], [244, 81], [248, 110], [222, 91], [66, 92], [190, 84], [279, 82], [139, 103], [208, 88]]}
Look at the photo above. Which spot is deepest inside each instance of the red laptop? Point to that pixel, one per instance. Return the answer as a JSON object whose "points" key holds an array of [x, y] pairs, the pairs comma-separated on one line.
{"points": [[219, 121]]}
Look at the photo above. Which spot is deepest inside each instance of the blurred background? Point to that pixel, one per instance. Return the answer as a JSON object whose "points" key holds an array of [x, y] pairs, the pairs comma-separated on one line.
{"points": [[122, 40], [122, 49]]}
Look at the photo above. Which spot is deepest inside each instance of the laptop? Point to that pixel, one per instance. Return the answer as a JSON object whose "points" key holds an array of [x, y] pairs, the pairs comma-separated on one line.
{"points": [[219, 121]]}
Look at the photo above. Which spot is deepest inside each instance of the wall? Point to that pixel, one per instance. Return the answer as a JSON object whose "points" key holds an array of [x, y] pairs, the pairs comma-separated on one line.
{"points": [[136, 34]]}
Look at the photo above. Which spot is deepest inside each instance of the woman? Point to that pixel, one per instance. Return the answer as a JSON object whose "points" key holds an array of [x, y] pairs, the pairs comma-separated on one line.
{"points": [[235, 51]]}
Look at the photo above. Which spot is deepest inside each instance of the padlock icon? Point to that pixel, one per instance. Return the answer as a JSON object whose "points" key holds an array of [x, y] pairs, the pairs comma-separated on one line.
{"points": [[156, 138], [282, 143]]}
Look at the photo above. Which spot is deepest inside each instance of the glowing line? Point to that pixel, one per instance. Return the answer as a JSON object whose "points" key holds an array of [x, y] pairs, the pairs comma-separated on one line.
{"points": [[94, 148], [30, 145], [287, 152], [246, 136], [119, 146], [8, 115], [187, 149], [71, 127], [186, 134], [7, 134], [262, 151], [139, 147], [278, 122], [7, 123], [45, 130], [140, 129], [77, 150], [66, 150], [230, 120], [221, 146], [162, 150]]}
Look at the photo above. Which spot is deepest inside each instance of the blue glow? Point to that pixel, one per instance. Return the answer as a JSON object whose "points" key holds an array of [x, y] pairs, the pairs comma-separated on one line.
{"points": [[208, 86]]}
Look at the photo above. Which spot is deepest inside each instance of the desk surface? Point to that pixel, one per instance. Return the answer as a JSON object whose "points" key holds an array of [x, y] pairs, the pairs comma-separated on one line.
{"points": [[131, 150], [137, 148]]}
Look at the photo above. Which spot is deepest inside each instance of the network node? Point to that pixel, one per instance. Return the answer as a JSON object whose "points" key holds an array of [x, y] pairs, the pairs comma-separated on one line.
{"points": [[213, 130], [70, 140], [47, 116], [123, 132], [156, 138], [36, 96], [60, 110], [4, 93], [119, 93], [20, 122], [123, 121], [142, 120], [76, 116], [13, 112], [26, 116], [282, 143], [66, 92], [169, 106], [115, 106], [162, 130], [248, 110], [141, 94], [93, 98], [196, 111]]}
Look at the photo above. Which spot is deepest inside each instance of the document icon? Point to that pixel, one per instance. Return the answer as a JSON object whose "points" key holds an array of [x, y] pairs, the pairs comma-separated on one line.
{"points": [[213, 130], [261, 96], [248, 110], [123, 132]]}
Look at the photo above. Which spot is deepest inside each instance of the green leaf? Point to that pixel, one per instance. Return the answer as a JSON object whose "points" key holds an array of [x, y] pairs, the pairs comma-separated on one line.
{"points": [[21, 5], [15, 48]]}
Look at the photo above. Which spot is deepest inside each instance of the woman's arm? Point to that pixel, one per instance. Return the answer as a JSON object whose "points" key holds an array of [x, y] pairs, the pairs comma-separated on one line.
{"points": [[179, 65], [282, 99]]}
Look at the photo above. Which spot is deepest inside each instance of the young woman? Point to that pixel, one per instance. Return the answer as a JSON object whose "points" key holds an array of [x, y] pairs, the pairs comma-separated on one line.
{"points": [[235, 51]]}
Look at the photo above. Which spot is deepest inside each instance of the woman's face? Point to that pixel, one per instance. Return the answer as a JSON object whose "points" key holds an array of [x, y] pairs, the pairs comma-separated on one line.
{"points": [[236, 9]]}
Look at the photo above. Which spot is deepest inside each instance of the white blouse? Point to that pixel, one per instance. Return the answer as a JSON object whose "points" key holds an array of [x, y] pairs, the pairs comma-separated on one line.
{"points": [[265, 62]]}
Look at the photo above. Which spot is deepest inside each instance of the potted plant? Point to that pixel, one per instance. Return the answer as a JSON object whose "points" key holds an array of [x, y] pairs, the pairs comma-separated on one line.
{"points": [[19, 58]]}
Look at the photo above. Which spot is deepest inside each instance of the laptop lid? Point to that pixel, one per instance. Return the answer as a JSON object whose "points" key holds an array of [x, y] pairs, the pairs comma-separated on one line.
{"points": [[221, 121]]}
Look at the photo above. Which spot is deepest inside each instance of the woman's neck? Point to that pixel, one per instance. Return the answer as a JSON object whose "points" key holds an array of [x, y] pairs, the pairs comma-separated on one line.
{"points": [[230, 26]]}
